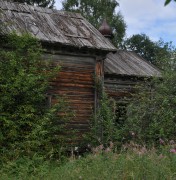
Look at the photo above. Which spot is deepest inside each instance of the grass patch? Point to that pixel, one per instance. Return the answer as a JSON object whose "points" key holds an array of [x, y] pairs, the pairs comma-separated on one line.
{"points": [[126, 165]]}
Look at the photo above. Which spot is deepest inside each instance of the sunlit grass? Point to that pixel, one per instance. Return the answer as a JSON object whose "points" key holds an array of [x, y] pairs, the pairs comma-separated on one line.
{"points": [[102, 165]]}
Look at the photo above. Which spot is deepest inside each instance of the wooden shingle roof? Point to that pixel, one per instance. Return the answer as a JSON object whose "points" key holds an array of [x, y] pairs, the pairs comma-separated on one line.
{"points": [[128, 63], [53, 26]]}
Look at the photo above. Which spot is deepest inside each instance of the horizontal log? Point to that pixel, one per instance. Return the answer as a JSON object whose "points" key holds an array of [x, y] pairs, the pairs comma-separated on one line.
{"points": [[72, 90], [69, 58], [80, 77], [75, 74], [81, 95], [71, 81], [81, 71], [78, 66], [59, 84], [80, 121], [118, 94], [79, 127], [83, 107]]}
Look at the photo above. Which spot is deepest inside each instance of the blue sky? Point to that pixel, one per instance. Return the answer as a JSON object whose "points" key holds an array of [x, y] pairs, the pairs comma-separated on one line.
{"points": [[150, 17]]}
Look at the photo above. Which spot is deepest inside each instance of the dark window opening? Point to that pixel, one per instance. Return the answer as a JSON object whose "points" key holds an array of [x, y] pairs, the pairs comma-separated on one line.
{"points": [[121, 113], [48, 100]]}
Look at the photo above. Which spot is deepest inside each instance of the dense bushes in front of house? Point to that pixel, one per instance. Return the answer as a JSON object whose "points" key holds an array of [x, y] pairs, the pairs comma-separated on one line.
{"points": [[133, 162], [151, 115], [103, 129], [31, 133], [27, 124]]}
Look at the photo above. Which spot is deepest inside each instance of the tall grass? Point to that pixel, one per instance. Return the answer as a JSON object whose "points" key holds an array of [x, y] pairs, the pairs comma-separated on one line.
{"points": [[118, 166], [104, 165]]}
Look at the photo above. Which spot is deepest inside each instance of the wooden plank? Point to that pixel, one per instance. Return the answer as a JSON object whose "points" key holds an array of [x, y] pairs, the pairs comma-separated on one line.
{"points": [[76, 82], [75, 74]]}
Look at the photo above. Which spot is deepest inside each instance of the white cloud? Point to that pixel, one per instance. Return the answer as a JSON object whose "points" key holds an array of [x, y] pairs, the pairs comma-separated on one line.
{"points": [[150, 17], [147, 16], [58, 4]]}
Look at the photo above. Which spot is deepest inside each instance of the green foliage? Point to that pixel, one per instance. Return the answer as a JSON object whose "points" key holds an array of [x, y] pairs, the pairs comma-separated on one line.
{"points": [[103, 125], [26, 168], [151, 114], [40, 3], [123, 166], [142, 45], [151, 51], [126, 165], [167, 2], [97, 10], [1, 24], [164, 51], [26, 123]]}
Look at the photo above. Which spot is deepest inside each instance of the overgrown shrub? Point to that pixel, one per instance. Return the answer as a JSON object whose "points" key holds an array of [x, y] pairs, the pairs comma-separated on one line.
{"points": [[103, 129], [152, 112], [27, 125]]}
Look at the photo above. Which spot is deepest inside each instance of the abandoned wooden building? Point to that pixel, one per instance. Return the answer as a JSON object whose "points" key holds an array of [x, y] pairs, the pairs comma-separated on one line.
{"points": [[72, 42], [123, 70]]}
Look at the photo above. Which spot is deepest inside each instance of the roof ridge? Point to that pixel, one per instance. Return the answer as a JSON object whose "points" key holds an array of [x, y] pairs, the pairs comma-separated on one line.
{"points": [[53, 26], [8, 5]]}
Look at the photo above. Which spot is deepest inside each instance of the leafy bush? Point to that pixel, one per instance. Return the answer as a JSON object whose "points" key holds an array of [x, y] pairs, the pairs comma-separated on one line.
{"points": [[103, 129], [26, 168], [152, 113], [27, 125]]}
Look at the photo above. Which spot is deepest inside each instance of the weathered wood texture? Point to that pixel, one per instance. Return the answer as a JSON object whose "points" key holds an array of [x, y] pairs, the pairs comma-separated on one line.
{"points": [[52, 26], [119, 87], [75, 81], [128, 63], [123, 71]]}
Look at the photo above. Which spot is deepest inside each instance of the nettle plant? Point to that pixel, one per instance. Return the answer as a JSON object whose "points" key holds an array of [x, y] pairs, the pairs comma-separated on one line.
{"points": [[27, 125]]}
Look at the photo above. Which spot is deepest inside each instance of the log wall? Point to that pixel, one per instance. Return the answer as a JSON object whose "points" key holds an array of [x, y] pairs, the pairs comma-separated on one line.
{"points": [[119, 87], [76, 83]]}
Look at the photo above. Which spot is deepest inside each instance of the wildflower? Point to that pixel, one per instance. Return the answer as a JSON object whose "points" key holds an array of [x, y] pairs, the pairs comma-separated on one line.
{"points": [[107, 150], [94, 150], [173, 150], [111, 145], [101, 147], [172, 142], [161, 141], [161, 156]]}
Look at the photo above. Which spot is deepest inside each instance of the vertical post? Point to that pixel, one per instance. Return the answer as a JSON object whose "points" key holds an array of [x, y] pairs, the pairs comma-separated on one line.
{"points": [[99, 88]]}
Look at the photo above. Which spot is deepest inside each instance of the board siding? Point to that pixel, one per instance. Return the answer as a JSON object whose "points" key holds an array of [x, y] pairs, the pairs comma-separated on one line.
{"points": [[75, 82], [119, 88]]}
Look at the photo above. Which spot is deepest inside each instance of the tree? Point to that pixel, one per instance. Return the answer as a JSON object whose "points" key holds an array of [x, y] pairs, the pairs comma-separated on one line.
{"points": [[97, 10], [40, 3], [148, 49], [167, 2], [142, 45], [26, 121]]}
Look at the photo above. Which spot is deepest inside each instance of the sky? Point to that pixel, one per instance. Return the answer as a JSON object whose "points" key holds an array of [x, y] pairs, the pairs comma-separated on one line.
{"points": [[150, 17]]}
